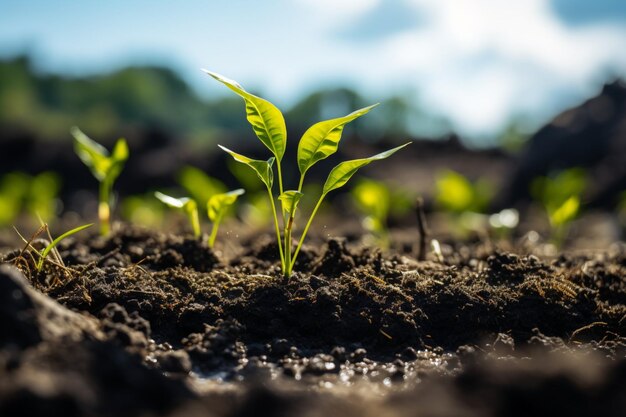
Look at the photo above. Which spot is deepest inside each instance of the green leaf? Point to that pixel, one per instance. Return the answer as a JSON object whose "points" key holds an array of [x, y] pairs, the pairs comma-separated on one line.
{"points": [[289, 200], [267, 121], [322, 139], [566, 212], [117, 159], [263, 169], [56, 241], [199, 185], [172, 201], [340, 174], [94, 155], [455, 193], [217, 204]]}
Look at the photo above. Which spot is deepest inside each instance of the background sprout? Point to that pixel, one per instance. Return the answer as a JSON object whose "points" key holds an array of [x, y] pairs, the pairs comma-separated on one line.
{"points": [[464, 200], [560, 195], [199, 185], [106, 168], [36, 195], [319, 142], [457, 194], [217, 207], [373, 199], [187, 205]]}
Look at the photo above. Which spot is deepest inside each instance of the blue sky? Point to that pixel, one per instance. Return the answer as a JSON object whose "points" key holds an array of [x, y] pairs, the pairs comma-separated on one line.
{"points": [[477, 62]]}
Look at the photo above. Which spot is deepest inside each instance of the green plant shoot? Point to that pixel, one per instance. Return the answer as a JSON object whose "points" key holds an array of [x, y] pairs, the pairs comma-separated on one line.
{"points": [[457, 194], [187, 205], [217, 207], [52, 245], [560, 196], [319, 142], [373, 199], [104, 167]]}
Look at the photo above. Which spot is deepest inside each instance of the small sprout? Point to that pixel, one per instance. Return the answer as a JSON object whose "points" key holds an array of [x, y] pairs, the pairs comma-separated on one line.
{"points": [[217, 207], [51, 247], [373, 199], [464, 200], [319, 142], [457, 194], [187, 205], [560, 195], [199, 185], [104, 167]]}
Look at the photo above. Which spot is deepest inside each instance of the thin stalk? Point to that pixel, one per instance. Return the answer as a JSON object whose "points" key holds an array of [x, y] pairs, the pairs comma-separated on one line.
{"points": [[195, 222], [280, 246], [304, 232], [288, 228], [104, 208], [301, 182], [216, 225]]}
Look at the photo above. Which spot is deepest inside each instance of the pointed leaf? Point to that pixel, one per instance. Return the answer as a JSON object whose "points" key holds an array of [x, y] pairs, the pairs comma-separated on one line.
{"points": [[199, 185], [290, 200], [218, 203], [263, 169], [267, 121], [94, 155], [322, 139], [172, 201], [117, 160], [340, 175]]}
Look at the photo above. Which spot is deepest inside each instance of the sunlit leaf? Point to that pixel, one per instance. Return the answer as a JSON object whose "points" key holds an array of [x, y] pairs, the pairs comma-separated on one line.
{"points": [[263, 169], [94, 155], [566, 212], [217, 204], [322, 139], [267, 121], [172, 201], [454, 192], [289, 200], [373, 198], [199, 185], [340, 175]]}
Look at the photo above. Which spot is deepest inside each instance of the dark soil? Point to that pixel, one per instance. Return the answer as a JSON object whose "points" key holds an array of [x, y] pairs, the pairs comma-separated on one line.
{"points": [[159, 324]]}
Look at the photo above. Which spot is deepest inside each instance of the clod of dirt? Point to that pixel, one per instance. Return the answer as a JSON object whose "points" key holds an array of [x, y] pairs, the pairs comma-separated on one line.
{"points": [[28, 317]]}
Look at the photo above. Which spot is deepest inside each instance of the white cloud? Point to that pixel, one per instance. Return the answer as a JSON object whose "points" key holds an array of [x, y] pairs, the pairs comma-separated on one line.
{"points": [[482, 61]]}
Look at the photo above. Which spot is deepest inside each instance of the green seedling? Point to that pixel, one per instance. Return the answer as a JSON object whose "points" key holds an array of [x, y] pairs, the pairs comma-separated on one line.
{"points": [[187, 205], [319, 142], [457, 194], [560, 195], [217, 207], [50, 248], [373, 199], [378, 202], [465, 201], [20, 192], [199, 185], [143, 210], [106, 168]]}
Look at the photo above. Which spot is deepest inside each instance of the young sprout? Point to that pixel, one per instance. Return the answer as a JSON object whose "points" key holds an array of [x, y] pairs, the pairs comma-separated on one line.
{"points": [[50, 247], [319, 142], [217, 207], [106, 168], [373, 199], [560, 196], [187, 205], [464, 200]]}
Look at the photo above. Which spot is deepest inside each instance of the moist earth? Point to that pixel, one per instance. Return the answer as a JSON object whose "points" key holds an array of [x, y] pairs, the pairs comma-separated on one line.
{"points": [[147, 323]]}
